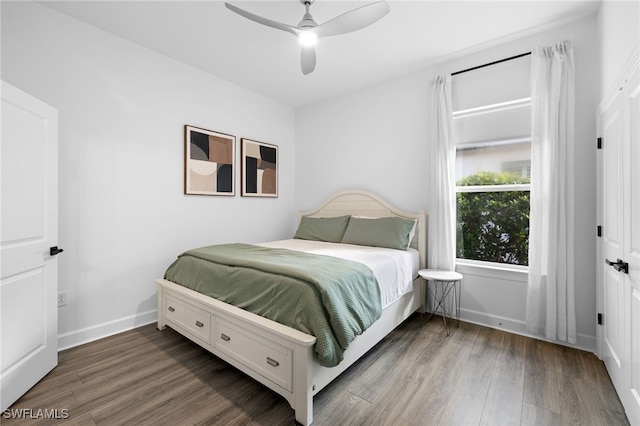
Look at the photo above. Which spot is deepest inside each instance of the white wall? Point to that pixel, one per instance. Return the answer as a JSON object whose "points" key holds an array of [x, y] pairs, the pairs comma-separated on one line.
{"points": [[619, 35], [373, 139], [123, 215], [376, 139]]}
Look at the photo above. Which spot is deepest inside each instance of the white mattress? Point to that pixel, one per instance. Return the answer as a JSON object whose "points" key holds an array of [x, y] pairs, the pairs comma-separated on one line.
{"points": [[394, 269]]}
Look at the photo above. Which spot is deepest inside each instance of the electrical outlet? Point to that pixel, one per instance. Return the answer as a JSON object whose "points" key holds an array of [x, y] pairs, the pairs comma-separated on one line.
{"points": [[62, 299]]}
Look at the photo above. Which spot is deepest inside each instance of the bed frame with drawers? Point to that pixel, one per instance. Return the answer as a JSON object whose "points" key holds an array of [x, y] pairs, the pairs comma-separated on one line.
{"points": [[278, 356]]}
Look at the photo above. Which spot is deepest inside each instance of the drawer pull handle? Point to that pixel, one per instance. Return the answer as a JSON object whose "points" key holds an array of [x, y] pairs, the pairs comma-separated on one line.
{"points": [[199, 324], [225, 337], [272, 362], [171, 309]]}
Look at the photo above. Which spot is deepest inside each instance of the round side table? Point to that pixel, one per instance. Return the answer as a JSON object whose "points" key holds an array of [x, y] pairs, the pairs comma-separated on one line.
{"points": [[446, 285]]}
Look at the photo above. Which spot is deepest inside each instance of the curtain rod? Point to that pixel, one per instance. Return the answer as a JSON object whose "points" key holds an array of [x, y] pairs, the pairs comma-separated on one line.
{"points": [[491, 63]]}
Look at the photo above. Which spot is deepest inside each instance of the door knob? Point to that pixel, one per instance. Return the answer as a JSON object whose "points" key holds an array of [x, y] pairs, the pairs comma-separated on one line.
{"points": [[55, 250], [619, 265]]}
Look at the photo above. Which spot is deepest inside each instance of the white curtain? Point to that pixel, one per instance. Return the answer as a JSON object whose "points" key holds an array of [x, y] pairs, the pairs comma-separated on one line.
{"points": [[442, 233], [550, 294]]}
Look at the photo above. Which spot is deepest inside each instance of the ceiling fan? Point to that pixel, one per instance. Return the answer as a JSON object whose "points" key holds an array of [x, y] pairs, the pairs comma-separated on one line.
{"points": [[308, 31]]}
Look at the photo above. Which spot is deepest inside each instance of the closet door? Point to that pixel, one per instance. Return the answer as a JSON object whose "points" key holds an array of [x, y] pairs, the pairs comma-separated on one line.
{"points": [[613, 280], [619, 283], [631, 251]]}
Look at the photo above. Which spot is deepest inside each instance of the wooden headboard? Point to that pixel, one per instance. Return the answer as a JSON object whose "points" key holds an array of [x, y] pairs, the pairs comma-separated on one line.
{"points": [[363, 203]]}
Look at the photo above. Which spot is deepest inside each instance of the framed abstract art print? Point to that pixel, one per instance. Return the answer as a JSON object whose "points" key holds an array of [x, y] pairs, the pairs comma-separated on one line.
{"points": [[259, 162], [209, 162]]}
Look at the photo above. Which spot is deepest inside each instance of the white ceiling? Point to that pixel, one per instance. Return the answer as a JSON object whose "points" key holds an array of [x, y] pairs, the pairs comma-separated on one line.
{"points": [[414, 35]]}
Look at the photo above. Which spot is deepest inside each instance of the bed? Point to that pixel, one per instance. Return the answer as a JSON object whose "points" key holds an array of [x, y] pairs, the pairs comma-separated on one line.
{"points": [[278, 356]]}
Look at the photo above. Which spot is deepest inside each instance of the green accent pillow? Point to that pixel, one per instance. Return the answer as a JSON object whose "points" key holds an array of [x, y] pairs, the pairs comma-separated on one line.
{"points": [[390, 232], [329, 229]]}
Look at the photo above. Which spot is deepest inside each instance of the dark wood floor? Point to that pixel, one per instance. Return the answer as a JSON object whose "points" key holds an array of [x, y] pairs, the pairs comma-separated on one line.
{"points": [[416, 376]]}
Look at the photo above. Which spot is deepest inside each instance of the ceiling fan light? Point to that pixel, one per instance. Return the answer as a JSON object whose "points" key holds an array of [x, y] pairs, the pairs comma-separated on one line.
{"points": [[307, 38]]}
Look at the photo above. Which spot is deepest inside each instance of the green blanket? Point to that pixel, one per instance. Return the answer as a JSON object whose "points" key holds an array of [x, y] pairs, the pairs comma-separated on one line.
{"points": [[330, 298]]}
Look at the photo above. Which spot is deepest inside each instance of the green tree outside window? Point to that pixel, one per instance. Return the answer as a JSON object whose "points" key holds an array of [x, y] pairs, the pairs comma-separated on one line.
{"points": [[493, 226]]}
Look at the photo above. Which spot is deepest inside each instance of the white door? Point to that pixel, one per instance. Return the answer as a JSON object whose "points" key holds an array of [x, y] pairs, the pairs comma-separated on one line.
{"points": [[631, 252], [29, 227], [620, 199], [612, 240]]}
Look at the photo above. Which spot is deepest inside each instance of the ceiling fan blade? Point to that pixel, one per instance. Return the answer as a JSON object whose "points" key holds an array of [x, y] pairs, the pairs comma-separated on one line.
{"points": [[353, 20], [264, 21], [308, 59]]}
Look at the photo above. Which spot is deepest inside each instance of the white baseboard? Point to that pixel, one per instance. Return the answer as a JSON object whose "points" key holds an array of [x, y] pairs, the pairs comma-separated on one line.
{"points": [[89, 334], [585, 342]]}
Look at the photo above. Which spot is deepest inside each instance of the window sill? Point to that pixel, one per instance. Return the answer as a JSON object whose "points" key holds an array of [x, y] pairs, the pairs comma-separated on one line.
{"points": [[493, 270]]}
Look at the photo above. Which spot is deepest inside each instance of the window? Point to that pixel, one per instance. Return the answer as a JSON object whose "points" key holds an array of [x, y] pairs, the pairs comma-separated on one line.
{"points": [[492, 122]]}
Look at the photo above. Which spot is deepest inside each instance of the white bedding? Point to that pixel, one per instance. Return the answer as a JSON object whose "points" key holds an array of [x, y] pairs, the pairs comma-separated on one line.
{"points": [[394, 269]]}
